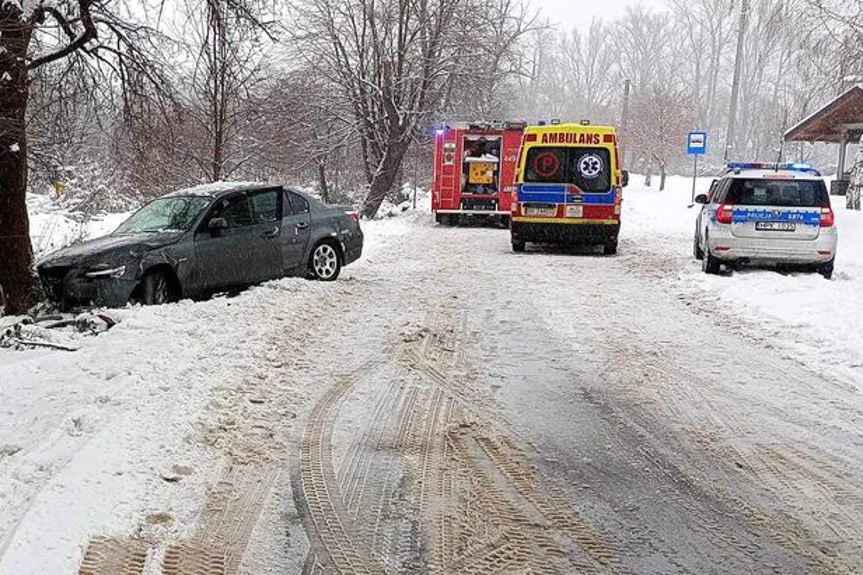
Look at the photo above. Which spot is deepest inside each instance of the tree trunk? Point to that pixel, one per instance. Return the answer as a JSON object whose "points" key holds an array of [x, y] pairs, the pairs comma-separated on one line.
{"points": [[386, 174], [322, 180], [662, 176], [18, 283], [648, 177]]}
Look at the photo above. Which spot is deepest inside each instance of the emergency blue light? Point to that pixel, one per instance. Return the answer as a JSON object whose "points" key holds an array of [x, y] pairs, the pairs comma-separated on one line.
{"points": [[439, 132], [793, 167]]}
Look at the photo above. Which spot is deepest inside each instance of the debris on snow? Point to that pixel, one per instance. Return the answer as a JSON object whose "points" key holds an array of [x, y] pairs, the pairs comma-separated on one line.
{"points": [[53, 332]]}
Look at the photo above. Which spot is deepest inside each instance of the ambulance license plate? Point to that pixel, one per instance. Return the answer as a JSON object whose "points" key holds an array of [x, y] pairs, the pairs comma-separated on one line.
{"points": [[575, 211], [544, 212], [775, 226]]}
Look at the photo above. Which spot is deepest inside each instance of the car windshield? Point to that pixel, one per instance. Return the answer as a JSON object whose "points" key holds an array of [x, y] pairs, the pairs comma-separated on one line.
{"points": [[587, 168], [778, 192], [176, 213]]}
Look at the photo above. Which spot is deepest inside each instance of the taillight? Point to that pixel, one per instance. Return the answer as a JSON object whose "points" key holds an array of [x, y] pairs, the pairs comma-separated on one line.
{"points": [[618, 199], [725, 214], [828, 218], [355, 216]]}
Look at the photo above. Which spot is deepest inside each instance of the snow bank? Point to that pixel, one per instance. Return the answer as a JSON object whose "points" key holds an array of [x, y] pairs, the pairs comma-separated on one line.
{"points": [[52, 227], [814, 319]]}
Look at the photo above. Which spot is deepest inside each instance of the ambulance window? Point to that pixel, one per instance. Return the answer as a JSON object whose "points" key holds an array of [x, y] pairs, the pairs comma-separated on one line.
{"points": [[590, 169], [546, 165], [587, 168]]}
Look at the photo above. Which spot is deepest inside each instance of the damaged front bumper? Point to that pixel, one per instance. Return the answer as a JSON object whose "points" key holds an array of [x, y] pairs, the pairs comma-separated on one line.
{"points": [[73, 287]]}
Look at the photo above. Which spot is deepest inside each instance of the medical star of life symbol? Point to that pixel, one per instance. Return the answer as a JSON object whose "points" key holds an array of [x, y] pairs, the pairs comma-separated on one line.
{"points": [[590, 166]]}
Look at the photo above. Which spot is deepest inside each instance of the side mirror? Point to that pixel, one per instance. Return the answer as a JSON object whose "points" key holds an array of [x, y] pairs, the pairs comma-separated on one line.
{"points": [[624, 178], [701, 199], [217, 224]]}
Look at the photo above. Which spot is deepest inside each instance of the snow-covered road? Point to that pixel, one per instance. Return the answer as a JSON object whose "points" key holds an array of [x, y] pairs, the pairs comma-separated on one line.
{"points": [[451, 407]]}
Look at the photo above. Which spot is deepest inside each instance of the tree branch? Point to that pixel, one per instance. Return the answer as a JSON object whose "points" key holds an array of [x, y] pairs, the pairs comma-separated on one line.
{"points": [[88, 34]]}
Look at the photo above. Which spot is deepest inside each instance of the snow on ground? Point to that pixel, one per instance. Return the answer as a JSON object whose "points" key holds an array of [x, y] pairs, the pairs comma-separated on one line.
{"points": [[818, 320], [86, 437], [91, 432]]}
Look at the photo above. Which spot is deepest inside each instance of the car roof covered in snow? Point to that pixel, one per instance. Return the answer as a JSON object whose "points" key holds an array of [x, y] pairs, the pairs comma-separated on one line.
{"points": [[219, 188]]}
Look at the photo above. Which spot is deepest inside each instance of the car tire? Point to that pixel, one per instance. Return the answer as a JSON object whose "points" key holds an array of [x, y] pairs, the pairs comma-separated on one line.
{"points": [[610, 248], [325, 263], [826, 270], [697, 252], [155, 289], [710, 264], [518, 247]]}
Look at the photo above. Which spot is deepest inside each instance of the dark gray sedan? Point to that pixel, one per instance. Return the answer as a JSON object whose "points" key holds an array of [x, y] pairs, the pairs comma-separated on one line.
{"points": [[203, 240]]}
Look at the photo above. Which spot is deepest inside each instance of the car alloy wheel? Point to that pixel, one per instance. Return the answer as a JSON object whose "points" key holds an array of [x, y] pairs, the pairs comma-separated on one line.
{"points": [[325, 262]]}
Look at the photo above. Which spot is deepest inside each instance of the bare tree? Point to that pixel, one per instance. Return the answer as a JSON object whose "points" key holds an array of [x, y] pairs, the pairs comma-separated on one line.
{"points": [[225, 34], [660, 122], [394, 61], [84, 33]]}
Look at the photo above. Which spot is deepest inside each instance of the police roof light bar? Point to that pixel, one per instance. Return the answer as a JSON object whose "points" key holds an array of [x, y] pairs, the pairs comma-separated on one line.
{"points": [[792, 167]]}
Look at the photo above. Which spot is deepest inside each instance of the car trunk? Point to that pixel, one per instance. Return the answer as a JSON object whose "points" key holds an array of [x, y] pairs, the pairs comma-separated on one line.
{"points": [[777, 207], [775, 223]]}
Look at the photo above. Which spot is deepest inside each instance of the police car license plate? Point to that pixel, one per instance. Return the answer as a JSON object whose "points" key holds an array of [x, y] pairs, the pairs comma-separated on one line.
{"points": [[775, 226], [574, 211], [540, 211]]}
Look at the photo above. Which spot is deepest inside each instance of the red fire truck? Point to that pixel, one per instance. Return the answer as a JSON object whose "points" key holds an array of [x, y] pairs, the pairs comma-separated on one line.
{"points": [[474, 170]]}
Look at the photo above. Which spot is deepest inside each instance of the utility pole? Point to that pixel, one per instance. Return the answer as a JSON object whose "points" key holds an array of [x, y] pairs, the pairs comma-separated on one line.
{"points": [[735, 88], [623, 134]]}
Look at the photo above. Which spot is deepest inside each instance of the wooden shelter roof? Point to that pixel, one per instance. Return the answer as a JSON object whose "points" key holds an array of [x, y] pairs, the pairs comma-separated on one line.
{"points": [[841, 118]]}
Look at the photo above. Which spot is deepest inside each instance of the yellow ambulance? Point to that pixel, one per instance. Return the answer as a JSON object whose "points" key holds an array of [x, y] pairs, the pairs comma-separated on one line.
{"points": [[569, 187]]}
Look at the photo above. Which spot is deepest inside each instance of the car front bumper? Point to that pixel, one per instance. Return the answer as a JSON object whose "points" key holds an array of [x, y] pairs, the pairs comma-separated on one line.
{"points": [[726, 247], [563, 231], [69, 287]]}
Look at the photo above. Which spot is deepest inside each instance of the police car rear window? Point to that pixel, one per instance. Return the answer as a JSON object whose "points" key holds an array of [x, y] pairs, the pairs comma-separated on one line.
{"points": [[787, 193], [587, 168]]}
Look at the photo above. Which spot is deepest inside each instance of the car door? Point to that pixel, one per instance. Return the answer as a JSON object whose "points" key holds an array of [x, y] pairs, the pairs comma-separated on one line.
{"points": [[296, 229], [247, 250], [717, 193], [703, 217]]}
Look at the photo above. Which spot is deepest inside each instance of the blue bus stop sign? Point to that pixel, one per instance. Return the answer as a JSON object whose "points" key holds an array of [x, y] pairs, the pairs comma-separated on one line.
{"points": [[697, 143]]}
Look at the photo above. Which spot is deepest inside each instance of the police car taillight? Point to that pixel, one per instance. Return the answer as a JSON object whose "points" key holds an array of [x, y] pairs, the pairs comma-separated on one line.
{"points": [[725, 214], [828, 218]]}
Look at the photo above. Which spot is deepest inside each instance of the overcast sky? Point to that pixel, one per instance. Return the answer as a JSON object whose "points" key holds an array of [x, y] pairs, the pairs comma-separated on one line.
{"points": [[579, 13]]}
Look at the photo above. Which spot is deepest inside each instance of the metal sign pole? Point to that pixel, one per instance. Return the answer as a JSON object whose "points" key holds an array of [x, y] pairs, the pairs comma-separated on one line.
{"points": [[696, 144], [694, 177]]}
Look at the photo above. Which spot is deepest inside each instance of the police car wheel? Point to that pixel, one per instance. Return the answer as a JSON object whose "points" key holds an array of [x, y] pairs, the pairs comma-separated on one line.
{"points": [[696, 247], [826, 270], [518, 247], [709, 264]]}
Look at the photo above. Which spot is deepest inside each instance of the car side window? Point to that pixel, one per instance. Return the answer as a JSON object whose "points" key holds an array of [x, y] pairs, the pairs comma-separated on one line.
{"points": [[721, 190], [711, 195], [265, 206], [287, 210], [299, 205], [236, 211]]}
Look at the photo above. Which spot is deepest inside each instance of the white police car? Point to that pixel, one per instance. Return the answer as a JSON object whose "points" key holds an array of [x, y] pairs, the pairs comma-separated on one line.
{"points": [[766, 214]]}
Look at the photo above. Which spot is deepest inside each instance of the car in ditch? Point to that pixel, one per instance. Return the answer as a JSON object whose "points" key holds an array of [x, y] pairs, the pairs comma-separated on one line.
{"points": [[766, 214], [203, 240]]}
